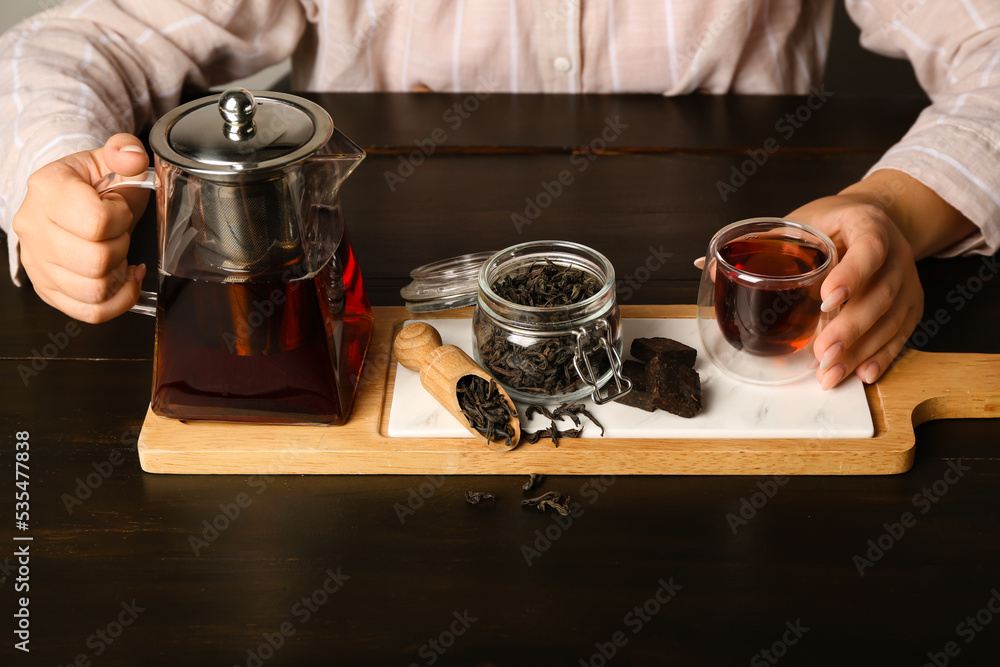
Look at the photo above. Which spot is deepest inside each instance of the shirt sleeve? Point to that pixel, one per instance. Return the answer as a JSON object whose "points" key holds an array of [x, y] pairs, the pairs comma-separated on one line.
{"points": [[72, 76], [954, 146]]}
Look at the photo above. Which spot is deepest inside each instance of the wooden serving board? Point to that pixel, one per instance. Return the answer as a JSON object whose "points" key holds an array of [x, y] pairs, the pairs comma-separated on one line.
{"points": [[920, 387]]}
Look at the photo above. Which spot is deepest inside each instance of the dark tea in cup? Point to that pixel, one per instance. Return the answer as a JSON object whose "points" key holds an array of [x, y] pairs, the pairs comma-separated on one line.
{"points": [[762, 316], [759, 303]]}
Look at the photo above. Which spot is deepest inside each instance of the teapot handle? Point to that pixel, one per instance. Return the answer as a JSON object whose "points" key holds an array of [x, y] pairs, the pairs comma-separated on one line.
{"points": [[146, 305], [146, 180]]}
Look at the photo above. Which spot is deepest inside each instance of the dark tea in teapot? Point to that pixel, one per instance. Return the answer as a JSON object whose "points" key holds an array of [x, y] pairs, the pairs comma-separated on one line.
{"points": [[276, 351]]}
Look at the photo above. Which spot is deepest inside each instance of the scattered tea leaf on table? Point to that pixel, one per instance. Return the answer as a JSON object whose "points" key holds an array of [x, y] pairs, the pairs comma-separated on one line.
{"points": [[476, 497], [553, 499], [534, 480]]}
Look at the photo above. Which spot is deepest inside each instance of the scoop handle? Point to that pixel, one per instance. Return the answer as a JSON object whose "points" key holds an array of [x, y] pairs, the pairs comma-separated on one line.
{"points": [[415, 343]]}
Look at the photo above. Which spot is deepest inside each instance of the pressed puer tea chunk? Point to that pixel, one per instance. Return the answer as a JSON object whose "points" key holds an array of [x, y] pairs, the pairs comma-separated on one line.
{"points": [[667, 349], [667, 381], [640, 396]]}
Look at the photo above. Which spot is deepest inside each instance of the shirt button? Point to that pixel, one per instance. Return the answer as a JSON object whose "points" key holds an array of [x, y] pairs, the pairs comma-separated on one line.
{"points": [[563, 64]]}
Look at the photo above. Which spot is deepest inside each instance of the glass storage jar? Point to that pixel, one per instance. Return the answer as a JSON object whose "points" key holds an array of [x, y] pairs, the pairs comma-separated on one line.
{"points": [[550, 353]]}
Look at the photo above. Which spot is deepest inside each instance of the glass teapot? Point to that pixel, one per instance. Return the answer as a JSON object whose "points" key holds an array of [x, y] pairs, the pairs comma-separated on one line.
{"points": [[261, 313]]}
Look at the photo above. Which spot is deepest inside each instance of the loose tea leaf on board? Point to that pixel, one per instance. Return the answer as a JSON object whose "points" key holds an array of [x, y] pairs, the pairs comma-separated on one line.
{"points": [[569, 410], [532, 437], [532, 409], [562, 411], [573, 410], [553, 433]]}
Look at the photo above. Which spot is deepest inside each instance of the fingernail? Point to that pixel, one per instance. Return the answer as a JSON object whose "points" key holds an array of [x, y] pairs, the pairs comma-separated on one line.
{"points": [[140, 273], [831, 355], [870, 372], [836, 298], [132, 148], [833, 377], [700, 263]]}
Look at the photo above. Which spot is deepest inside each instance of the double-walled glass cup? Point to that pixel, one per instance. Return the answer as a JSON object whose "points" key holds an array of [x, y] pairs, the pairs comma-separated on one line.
{"points": [[759, 300]]}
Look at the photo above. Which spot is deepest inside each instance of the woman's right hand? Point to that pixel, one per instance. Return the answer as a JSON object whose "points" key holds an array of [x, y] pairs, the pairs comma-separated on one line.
{"points": [[74, 243]]}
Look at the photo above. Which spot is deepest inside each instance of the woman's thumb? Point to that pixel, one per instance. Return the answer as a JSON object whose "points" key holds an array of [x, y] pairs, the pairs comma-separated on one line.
{"points": [[124, 154]]}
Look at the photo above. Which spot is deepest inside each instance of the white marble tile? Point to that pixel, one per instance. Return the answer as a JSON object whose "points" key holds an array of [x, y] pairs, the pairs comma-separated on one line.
{"points": [[731, 409]]}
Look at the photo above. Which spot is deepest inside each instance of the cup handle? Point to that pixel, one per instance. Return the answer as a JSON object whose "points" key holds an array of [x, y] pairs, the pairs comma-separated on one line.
{"points": [[146, 305]]}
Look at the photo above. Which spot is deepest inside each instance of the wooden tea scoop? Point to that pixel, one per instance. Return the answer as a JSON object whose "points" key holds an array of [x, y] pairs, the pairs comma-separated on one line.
{"points": [[418, 347]]}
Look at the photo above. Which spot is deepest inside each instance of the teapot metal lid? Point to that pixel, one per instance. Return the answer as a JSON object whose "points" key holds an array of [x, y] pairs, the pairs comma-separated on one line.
{"points": [[238, 132]]}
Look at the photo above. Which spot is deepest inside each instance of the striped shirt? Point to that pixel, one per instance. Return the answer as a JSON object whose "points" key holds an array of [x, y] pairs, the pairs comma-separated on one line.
{"points": [[74, 75]]}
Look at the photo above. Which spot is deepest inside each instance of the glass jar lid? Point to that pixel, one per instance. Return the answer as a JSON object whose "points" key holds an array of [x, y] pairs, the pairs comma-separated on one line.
{"points": [[237, 132], [445, 284]]}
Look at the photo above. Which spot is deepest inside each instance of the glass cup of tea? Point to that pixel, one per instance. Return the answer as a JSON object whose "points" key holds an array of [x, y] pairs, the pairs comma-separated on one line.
{"points": [[759, 300]]}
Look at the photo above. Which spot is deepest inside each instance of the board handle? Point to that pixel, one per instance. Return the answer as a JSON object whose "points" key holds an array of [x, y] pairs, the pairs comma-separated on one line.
{"points": [[941, 385]]}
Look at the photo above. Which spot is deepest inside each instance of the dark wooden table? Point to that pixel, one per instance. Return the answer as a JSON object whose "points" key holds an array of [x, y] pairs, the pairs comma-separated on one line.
{"points": [[128, 568]]}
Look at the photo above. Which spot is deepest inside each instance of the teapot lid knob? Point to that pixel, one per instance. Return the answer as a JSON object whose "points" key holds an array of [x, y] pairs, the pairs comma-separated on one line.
{"points": [[237, 107]]}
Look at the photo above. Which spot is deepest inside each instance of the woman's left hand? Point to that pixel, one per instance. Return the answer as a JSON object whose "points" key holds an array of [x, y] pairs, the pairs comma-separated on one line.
{"points": [[875, 283]]}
